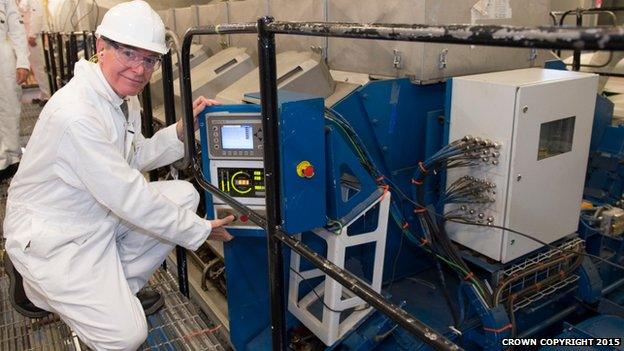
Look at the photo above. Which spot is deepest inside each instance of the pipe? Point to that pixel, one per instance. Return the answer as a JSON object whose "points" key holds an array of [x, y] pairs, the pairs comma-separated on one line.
{"points": [[576, 55], [85, 46], [59, 47], [268, 98], [72, 55], [167, 81], [170, 118], [55, 77], [587, 38], [608, 289], [44, 44]]}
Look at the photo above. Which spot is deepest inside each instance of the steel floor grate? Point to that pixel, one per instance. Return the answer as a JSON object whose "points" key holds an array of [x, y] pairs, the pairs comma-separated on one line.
{"points": [[179, 325]]}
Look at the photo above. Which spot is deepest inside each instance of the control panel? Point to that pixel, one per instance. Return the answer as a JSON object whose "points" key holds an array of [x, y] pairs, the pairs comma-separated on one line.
{"points": [[238, 136], [232, 141], [241, 182]]}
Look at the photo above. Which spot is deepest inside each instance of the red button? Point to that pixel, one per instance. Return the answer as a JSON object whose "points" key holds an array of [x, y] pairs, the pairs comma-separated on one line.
{"points": [[308, 172], [243, 218]]}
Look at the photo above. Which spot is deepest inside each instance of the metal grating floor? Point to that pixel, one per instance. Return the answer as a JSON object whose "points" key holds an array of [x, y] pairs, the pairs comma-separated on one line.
{"points": [[180, 325]]}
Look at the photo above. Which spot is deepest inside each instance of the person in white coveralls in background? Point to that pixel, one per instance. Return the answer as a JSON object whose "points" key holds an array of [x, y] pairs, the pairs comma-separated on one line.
{"points": [[13, 72], [33, 15], [83, 227]]}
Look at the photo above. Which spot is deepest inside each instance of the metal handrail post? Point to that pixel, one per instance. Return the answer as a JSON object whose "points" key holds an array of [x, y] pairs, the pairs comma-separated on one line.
{"points": [[46, 57], [170, 118], [59, 48], [268, 99]]}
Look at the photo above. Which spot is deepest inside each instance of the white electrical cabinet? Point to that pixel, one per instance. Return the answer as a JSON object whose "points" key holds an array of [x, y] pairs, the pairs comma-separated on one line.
{"points": [[542, 119]]}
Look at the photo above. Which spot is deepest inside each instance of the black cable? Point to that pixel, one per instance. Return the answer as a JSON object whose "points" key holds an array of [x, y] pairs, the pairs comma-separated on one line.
{"points": [[442, 216], [445, 292], [314, 291], [396, 260], [534, 239]]}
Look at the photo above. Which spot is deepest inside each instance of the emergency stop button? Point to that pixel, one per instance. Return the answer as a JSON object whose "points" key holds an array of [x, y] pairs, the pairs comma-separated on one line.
{"points": [[305, 169]]}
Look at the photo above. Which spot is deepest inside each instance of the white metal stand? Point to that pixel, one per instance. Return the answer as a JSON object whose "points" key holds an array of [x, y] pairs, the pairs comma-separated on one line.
{"points": [[333, 325]]}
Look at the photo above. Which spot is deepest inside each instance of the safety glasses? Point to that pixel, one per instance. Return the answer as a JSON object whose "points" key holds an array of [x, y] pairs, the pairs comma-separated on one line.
{"points": [[131, 58]]}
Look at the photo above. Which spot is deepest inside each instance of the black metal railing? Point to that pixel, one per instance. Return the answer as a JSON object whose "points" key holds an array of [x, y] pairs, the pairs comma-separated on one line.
{"points": [[61, 51]]}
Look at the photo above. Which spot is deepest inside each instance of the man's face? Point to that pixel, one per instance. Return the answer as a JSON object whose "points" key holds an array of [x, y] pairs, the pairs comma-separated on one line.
{"points": [[127, 69]]}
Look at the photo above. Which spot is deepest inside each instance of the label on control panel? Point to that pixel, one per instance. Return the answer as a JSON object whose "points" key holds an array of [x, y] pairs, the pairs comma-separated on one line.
{"points": [[242, 182]]}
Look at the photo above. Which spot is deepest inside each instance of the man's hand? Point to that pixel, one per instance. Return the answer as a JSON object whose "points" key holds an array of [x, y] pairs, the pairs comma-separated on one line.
{"points": [[219, 233], [198, 105], [21, 75], [32, 41]]}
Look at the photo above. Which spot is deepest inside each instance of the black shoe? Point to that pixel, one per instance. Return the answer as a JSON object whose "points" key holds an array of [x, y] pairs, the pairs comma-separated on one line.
{"points": [[17, 295], [36, 101], [151, 300]]}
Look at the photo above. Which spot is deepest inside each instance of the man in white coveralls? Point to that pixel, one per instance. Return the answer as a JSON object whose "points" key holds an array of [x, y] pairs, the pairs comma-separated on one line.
{"points": [[33, 15], [83, 227], [13, 72]]}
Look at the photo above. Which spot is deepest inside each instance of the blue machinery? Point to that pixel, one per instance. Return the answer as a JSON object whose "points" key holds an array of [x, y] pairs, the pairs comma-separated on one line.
{"points": [[368, 143]]}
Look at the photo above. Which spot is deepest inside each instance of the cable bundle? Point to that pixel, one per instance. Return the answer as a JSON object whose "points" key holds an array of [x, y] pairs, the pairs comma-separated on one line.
{"points": [[465, 152], [468, 189]]}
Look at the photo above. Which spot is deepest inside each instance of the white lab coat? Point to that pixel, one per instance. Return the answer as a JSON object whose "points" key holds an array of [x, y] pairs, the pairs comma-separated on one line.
{"points": [[83, 226], [33, 15], [13, 54]]}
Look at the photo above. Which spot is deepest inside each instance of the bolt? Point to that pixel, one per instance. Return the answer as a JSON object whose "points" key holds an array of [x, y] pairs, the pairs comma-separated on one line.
{"points": [[494, 162], [518, 177], [525, 109], [481, 215]]}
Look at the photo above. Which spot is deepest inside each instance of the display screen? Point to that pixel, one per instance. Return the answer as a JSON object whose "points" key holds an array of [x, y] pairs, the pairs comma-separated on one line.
{"points": [[238, 137], [556, 138]]}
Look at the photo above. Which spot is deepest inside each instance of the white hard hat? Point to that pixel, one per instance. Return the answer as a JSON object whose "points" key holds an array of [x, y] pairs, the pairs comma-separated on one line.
{"points": [[134, 23]]}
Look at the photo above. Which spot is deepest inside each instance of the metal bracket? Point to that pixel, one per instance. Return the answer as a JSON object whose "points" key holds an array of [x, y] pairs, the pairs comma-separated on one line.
{"points": [[396, 61], [442, 59], [532, 55]]}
